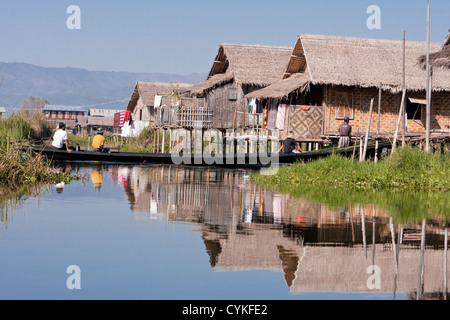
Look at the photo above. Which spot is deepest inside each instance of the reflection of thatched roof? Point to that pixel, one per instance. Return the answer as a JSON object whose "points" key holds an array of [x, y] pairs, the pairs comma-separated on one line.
{"points": [[246, 64], [356, 62], [148, 90]]}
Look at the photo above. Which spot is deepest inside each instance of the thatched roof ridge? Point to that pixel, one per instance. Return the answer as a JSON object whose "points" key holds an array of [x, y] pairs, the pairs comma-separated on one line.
{"points": [[248, 64], [440, 59], [147, 91], [447, 41], [282, 88], [212, 82], [367, 62]]}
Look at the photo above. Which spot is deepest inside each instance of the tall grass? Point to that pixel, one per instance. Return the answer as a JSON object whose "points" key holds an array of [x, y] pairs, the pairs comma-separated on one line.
{"points": [[409, 168], [17, 168], [24, 126]]}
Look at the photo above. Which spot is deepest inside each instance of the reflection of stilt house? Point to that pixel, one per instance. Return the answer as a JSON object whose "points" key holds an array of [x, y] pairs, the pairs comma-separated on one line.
{"points": [[329, 78], [237, 70]]}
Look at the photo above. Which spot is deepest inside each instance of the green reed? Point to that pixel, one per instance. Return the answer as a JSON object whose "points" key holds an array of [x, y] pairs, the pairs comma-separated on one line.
{"points": [[409, 168]]}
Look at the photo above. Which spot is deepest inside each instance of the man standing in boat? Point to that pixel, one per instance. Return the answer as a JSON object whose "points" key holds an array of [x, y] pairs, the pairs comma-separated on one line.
{"points": [[98, 142], [345, 133], [60, 139]]}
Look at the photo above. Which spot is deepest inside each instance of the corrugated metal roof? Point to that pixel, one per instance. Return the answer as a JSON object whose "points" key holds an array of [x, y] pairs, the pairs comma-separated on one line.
{"points": [[103, 112], [65, 108]]}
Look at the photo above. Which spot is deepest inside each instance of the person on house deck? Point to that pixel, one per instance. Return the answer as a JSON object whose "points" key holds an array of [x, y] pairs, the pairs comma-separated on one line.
{"points": [[345, 133], [290, 146], [98, 142], [60, 139]]}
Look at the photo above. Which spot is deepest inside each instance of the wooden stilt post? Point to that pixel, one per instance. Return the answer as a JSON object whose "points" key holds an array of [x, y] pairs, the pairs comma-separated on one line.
{"points": [[368, 130], [394, 144], [154, 140], [404, 87], [163, 143], [428, 112], [378, 123]]}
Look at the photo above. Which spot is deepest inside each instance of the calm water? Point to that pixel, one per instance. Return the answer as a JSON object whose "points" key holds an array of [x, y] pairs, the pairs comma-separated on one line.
{"points": [[152, 232]]}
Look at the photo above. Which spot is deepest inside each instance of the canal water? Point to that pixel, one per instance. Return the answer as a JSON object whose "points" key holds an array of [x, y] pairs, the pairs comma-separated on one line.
{"points": [[180, 233]]}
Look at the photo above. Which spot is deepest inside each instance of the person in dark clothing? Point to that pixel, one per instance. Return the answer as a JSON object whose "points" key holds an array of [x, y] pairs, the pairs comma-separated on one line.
{"points": [[345, 133], [290, 146]]}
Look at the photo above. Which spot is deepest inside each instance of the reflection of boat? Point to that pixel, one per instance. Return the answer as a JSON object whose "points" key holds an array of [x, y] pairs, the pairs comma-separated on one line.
{"points": [[232, 161]]}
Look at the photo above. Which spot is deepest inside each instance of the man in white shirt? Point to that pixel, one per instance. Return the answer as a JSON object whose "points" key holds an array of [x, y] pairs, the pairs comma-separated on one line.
{"points": [[60, 139]]}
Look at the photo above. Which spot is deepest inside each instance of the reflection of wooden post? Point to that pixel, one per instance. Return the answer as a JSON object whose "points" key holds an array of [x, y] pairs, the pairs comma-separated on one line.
{"points": [[422, 262], [445, 263], [395, 249], [363, 222]]}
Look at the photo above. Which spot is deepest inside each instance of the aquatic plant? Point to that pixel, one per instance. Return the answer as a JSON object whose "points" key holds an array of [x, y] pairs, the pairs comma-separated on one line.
{"points": [[409, 168]]}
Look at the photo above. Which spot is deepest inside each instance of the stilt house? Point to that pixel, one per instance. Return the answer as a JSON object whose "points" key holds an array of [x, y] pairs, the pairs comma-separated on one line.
{"points": [[329, 78], [239, 69]]}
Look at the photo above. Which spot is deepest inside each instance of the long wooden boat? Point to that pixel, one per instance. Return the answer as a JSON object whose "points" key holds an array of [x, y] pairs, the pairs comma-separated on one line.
{"points": [[232, 161]]}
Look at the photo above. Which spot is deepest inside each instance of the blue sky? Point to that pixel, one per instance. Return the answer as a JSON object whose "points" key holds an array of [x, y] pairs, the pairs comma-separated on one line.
{"points": [[182, 37]]}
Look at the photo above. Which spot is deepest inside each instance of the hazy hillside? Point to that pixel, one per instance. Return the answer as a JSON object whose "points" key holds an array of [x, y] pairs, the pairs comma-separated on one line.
{"points": [[70, 86]]}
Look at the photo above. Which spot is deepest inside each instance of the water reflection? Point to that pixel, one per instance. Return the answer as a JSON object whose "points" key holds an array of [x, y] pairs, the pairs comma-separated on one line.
{"points": [[319, 247], [321, 240]]}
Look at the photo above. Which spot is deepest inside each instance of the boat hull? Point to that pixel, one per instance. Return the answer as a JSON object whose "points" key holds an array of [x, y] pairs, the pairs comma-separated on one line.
{"points": [[234, 160]]}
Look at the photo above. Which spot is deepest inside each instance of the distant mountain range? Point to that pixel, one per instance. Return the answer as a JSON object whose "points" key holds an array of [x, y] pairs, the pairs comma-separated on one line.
{"points": [[77, 87]]}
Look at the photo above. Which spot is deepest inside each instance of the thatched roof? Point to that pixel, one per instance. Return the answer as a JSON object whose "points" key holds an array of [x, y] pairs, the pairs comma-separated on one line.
{"points": [[147, 91], [214, 81], [282, 88], [440, 59], [246, 64], [360, 62]]}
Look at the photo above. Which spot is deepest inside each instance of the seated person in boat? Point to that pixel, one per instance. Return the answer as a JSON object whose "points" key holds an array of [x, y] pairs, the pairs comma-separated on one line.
{"points": [[98, 143], [290, 146], [60, 139]]}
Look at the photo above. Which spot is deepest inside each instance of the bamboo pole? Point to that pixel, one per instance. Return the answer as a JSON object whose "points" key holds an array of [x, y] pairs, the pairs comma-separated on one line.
{"points": [[368, 129], [428, 118], [377, 143], [397, 128], [404, 87]]}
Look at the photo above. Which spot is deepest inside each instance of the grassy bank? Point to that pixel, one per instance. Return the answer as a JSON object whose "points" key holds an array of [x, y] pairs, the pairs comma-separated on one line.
{"points": [[18, 169], [409, 168]]}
